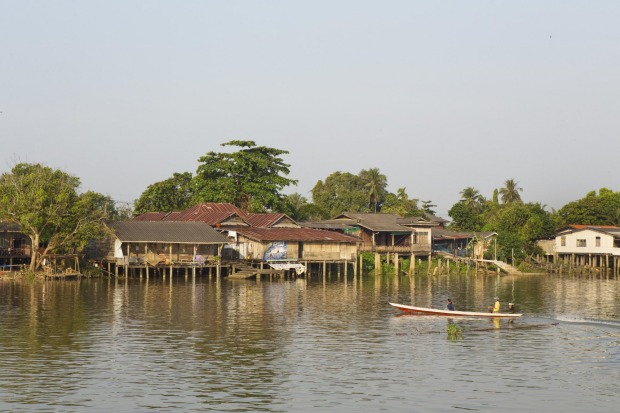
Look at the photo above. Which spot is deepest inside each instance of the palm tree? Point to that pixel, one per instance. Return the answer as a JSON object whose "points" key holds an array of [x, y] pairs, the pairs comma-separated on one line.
{"points": [[375, 183], [471, 197], [296, 202], [510, 192]]}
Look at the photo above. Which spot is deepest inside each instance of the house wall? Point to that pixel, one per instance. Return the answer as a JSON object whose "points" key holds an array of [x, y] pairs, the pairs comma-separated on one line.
{"points": [[162, 253], [318, 251], [574, 243]]}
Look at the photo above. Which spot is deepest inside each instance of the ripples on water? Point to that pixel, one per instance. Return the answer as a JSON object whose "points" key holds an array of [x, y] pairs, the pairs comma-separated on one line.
{"points": [[334, 345]]}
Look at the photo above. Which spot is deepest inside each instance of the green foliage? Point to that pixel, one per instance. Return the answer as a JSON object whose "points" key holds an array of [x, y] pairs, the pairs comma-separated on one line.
{"points": [[400, 204], [519, 226], [250, 178], [46, 205], [593, 209], [510, 192], [375, 184], [368, 262], [341, 192], [427, 207], [172, 194], [465, 217], [454, 331]]}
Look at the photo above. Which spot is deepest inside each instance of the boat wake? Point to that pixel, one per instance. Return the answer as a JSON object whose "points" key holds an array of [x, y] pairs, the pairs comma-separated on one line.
{"points": [[570, 318]]}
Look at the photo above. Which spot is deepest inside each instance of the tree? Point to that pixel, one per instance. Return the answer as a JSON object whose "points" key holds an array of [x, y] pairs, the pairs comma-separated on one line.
{"points": [[250, 178], [400, 204], [465, 217], [427, 207], [46, 205], [172, 194], [593, 209], [374, 183], [510, 192], [341, 191], [472, 198]]}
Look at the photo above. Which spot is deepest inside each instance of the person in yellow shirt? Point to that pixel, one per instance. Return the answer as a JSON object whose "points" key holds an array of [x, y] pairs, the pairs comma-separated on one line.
{"points": [[494, 308]]}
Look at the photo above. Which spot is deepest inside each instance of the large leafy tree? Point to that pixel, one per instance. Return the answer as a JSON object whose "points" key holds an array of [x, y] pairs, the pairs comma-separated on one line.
{"points": [[465, 217], [172, 194], [375, 184], [510, 192], [341, 192], [594, 209], [250, 178], [525, 222], [46, 205]]}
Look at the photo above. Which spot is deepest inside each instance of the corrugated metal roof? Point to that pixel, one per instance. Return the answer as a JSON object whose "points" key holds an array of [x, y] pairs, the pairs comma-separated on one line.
{"points": [[266, 220], [296, 234], [339, 226], [167, 231], [375, 222]]}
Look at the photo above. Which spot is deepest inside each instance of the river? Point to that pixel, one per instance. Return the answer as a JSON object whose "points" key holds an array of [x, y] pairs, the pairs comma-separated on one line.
{"points": [[195, 345]]}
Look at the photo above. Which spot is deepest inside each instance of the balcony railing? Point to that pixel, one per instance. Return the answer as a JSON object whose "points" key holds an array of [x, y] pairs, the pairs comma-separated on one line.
{"points": [[425, 248]]}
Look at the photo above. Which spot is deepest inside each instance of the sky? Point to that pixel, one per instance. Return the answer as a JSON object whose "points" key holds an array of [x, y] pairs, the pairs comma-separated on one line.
{"points": [[438, 95]]}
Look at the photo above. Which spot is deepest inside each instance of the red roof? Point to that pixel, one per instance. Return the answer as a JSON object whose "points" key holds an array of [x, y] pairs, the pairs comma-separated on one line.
{"points": [[264, 220], [580, 226]]}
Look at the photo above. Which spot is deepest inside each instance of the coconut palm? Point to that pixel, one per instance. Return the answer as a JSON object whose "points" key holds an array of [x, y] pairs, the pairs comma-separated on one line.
{"points": [[510, 192], [375, 183], [471, 197]]}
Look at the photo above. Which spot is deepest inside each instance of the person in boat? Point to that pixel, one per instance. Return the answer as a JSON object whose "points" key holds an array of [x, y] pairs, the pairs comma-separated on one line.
{"points": [[450, 306], [511, 308], [494, 308]]}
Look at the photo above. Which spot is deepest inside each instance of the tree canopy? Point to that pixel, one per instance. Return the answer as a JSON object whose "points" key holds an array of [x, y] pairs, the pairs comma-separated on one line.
{"points": [[172, 194], [46, 205], [341, 191], [250, 178], [594, 209]]}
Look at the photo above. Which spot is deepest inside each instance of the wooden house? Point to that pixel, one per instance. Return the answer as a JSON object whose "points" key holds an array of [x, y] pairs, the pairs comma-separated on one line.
{"points": [[162, 244], [295, 244], [463, 244], [588, 245], [384, 233], [15, 246]]}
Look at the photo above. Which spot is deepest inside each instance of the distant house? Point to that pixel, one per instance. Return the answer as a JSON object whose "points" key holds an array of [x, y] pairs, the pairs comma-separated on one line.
{"points": [[463, 244], [15, 247], [383, 233], [597, 246]]}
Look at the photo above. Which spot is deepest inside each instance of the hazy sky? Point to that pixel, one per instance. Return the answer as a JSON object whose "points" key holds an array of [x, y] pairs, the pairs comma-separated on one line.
{"points": [[439, 95]]}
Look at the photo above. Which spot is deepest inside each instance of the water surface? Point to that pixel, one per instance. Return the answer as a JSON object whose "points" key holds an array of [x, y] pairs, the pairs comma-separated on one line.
{"points": [[190, 345]]}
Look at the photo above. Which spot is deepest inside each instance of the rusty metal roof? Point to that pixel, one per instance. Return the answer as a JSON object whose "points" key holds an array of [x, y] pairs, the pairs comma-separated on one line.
{"points": [[266, 220], [296, 234], [167, 232]]}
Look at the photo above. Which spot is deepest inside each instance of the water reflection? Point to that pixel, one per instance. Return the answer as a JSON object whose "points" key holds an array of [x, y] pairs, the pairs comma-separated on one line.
{"points": [[193, 344]]}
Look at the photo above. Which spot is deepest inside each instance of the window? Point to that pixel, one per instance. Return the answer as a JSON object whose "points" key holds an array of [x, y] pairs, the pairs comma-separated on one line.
{"points": [[598, 241], [581, 242], [563, 241]]}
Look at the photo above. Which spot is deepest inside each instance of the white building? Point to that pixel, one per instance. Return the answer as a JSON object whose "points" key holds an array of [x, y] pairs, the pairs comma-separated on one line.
{"points": [[594, 246]]}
